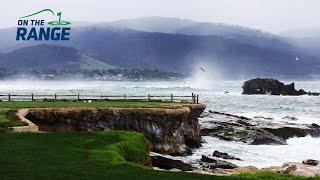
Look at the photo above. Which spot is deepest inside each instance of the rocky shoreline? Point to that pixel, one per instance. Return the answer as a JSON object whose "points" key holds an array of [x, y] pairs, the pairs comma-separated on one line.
{"points": [[178, 137], [255, 131], [258, 130], [216, 166]]}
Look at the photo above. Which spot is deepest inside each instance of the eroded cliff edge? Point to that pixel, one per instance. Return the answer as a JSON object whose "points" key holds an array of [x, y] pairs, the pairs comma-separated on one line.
{"points": [[169, 130]]}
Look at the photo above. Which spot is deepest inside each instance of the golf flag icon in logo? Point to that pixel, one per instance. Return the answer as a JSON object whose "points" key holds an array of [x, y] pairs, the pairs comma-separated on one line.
{"points": [[55, 23]]}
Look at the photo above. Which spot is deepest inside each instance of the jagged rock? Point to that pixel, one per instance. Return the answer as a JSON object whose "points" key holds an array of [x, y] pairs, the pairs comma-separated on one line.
{"points": [[290, 118], [271, 86], [224, 155], [311, 162], [287, 132], [314, 125], [238, 170], [260, 136], [215, 163], [169, 163], [294, 168], [264, 118], [253, 131], [288, 168]]}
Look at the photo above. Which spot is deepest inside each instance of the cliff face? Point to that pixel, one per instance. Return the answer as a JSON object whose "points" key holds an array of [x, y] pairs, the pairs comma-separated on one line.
{"points": [[168, 130]]}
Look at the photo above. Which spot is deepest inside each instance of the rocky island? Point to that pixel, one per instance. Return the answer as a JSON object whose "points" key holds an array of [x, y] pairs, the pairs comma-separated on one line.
{"points": [[272, 87]]}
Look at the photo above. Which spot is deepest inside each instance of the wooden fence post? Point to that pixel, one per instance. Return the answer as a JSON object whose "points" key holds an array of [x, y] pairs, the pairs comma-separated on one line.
{"points": [[195, 97]]}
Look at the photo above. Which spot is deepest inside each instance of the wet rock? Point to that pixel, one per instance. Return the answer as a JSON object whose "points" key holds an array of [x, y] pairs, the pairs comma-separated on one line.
{"points": [[224, 155], [311, 162], [314, 125], [253, 131], [264, 118], [271, 86], [290, 118], [262, 137], [215, 163], [289, 131], [169, 163]]}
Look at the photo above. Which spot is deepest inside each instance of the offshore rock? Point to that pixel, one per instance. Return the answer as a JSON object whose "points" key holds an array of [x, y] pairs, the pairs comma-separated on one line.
{"points": [[311, 162], [216, 163], [253, 131], [272, 87], [224, 155]]}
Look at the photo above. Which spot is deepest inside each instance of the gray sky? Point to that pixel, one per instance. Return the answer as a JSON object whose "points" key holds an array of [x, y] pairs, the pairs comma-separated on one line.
{"points": [[268, 15]]}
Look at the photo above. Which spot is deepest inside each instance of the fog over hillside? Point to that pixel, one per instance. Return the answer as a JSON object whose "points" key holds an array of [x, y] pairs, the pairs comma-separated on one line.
{"points": [[181, 46]]}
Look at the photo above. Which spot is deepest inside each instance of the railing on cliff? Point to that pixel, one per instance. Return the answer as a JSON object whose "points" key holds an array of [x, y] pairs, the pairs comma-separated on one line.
{"points": [[193, 98]]}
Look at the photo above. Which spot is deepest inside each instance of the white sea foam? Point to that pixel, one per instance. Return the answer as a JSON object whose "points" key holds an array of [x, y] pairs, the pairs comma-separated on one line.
{"points": [[298, 149], [305, 108]]}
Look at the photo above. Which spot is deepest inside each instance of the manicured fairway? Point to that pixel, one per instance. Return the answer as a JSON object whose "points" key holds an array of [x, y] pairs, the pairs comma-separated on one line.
{"points": [[87, 155], [7, 119]]}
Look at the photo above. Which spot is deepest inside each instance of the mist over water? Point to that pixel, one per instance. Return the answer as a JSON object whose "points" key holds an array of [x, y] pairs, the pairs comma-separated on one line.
{"points": [[224, 96], [212, 93]]}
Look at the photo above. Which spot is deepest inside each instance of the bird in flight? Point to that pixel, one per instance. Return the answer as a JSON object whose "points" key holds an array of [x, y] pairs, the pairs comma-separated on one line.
{"points": [[202, 69]]}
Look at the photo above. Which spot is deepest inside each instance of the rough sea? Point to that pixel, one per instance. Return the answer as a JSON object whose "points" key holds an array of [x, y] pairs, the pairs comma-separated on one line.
{"points": [[222, 96]]}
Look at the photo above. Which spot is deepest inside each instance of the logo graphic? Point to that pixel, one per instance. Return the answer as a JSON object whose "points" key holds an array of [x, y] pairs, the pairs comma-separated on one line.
{"points": [[38, 29], [59, 22]]}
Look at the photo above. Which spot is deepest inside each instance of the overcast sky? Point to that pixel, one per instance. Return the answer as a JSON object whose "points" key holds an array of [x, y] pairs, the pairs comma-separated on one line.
{"points": [[268, 15]]}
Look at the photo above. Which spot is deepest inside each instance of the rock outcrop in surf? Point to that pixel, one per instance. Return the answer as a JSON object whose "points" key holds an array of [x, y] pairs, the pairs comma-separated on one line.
{"points": [[253, 131], [272, 87]]}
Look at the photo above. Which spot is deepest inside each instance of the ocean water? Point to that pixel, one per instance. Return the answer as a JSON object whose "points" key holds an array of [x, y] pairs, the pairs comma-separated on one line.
{"points": [[297, 150], [212, 93]]}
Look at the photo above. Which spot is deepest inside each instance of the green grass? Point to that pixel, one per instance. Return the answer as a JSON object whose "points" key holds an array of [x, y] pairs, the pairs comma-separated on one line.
{"points": [[82, 155], [268, 175], [7, 118], [106, 103], [242, 134], [88, 155]]}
